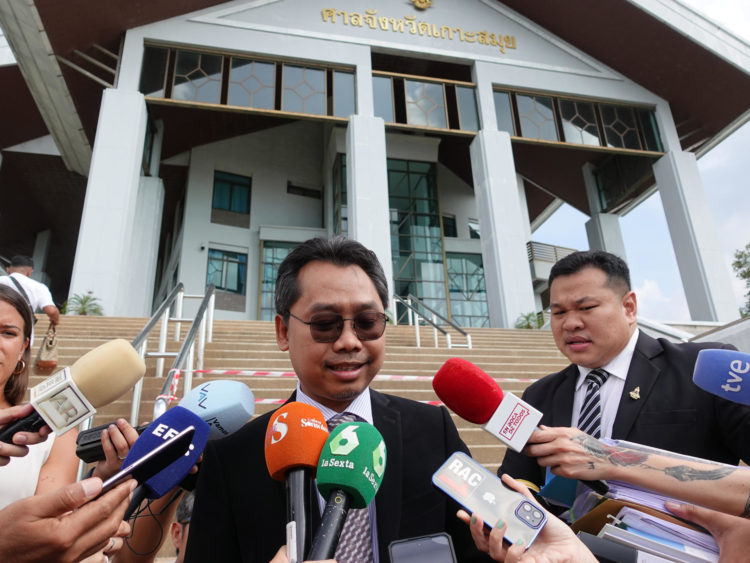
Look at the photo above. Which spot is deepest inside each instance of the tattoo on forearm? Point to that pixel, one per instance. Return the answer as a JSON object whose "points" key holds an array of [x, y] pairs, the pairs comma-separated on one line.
{"points": [[687, 473], [615, 456], [746, 512]]}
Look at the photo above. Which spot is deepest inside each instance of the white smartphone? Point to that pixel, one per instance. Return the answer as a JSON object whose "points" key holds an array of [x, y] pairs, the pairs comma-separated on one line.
{"points": [[476, 489]]}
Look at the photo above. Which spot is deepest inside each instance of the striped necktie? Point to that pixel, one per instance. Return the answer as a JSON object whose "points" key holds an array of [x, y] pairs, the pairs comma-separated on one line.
{"points": [[355, 543], [590, 419]]}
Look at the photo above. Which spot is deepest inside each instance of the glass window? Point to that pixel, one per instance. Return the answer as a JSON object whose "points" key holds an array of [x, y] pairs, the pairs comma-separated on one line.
{"points": [[425, 104], [537, 117], [579, 122], [467, 108], [231, 192], [650, 130], [449, 226], [504, 112], [473, 228], [252, 84], [273, 254], [197, 77], [227, 270], [343, 94], [620, 127], [468, 293], [383, 98], [304, 90], [153, 71]]}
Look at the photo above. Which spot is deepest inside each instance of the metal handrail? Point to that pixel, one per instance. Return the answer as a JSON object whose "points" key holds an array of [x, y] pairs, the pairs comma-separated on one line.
{"points": [[446, 321], [413, 310], [187, 353]]}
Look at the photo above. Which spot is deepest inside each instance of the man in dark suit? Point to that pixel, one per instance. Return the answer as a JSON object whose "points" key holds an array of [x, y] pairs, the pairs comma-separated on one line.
{"points": [[648, 396], [330, 301]]}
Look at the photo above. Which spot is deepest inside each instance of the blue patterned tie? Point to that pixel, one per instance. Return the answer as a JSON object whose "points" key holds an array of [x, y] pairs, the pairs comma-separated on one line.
{"points": [[590, 420], [355, 543]]}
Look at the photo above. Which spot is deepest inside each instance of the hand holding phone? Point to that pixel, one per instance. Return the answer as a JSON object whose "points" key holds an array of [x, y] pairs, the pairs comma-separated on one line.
{"points": [[476, 489]]}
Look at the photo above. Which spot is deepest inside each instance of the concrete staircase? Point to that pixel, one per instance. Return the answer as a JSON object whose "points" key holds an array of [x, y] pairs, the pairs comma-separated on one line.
{"points": [[514, 357]]}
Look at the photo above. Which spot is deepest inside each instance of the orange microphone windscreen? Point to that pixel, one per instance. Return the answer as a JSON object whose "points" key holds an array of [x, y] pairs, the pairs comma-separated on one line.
{"points": [[467, 390], [294, 438]]}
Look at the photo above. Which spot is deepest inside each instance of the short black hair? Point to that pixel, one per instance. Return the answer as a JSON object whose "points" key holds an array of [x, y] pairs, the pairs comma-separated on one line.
{"points": [[20, 260], [185, 508], [618, 273], [339, 251]]}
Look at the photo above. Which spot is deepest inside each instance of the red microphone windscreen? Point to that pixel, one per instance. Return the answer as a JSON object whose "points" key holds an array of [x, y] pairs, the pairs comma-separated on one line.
{"points": [[467, 390], [294, 438]]}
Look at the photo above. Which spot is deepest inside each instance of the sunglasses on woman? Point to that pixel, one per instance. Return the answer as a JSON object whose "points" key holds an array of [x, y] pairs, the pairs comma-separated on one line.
{"points": [[327, 327]]}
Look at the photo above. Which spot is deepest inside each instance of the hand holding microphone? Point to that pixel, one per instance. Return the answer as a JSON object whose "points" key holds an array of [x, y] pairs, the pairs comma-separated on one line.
{"points": [[475, 396], [72, 395], [350, 471]]}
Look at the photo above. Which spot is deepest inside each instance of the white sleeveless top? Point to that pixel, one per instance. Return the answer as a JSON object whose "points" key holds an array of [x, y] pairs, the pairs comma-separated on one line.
{"points": [[19, 478]]}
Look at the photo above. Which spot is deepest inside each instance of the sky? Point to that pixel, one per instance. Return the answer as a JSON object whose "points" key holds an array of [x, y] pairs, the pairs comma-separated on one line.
{"points": [[725, 171]]}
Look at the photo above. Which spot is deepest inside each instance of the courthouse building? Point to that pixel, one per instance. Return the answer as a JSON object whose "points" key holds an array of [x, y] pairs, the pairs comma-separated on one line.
{"points": [[146, 143]]}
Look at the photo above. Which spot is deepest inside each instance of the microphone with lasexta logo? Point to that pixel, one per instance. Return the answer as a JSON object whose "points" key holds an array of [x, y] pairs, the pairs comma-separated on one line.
{"points": [[350, 472], [724, 373], [164, 428], [294, 439]]}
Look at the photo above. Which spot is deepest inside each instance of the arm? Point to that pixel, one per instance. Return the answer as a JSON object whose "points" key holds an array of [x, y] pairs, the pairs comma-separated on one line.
{"points": [[571, 453], [730, 532], [20, 439], [556, 542], [67, 524], [53, 313], [61, 465], [149, 531]]}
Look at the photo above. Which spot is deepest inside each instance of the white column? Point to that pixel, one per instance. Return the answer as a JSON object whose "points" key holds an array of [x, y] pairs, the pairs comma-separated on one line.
{"points": [[603, 229], [367, 188], [144, 247], [102, 265], [506, 264], [705, 277]]}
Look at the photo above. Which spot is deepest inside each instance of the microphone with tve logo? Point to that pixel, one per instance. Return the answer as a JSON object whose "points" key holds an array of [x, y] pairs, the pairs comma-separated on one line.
{"points": [[475, 396], [72, 395], [350, 471], [294, 438], [724, 373]]}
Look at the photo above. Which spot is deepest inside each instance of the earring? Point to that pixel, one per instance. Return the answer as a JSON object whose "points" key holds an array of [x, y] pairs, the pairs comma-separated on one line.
{"points": [[20, 370]]}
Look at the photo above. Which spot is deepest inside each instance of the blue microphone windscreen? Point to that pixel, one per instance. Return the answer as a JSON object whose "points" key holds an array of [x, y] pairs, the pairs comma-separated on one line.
{"points": [[166, 426], [725, 373], [224, 405]]}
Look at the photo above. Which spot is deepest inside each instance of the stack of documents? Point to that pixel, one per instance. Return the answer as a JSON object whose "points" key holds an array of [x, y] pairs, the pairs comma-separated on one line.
{"points": [[656, 536]]}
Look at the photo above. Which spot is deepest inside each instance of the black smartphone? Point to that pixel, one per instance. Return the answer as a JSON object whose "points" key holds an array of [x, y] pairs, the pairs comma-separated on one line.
{"points": [[145, 467], [433, 548], [89, 443]]}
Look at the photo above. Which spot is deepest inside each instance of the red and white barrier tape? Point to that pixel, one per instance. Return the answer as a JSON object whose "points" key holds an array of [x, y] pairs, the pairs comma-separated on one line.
{"points": [[379, 377]]}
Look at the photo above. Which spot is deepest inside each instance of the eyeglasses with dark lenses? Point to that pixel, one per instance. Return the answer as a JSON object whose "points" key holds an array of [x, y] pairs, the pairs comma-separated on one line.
{"points": [[327, 327]]}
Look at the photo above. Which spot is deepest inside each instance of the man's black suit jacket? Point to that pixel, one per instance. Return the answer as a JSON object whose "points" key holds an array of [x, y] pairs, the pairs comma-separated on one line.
{"points": [[240, 512], [672, 412]]}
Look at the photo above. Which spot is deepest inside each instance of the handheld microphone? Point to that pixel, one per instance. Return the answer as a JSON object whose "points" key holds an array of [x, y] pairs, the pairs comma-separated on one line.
{"points": [[163, 428], [724, 373], [295, 437], [475, 396], [350, 471], [72, 395], [223, 404]]}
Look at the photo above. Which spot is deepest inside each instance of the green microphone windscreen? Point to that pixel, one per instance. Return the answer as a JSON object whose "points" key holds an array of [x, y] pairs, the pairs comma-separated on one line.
{"points": [[353, 459]]}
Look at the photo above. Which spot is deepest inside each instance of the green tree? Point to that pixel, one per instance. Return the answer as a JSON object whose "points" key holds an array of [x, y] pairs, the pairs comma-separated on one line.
{"points": [[528, 320], [741, 267], [83, 305]]}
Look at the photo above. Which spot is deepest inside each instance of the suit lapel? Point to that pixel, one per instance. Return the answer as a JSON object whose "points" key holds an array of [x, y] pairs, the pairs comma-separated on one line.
{"points": [[562, 403], [642, 374], [388, 421]]}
